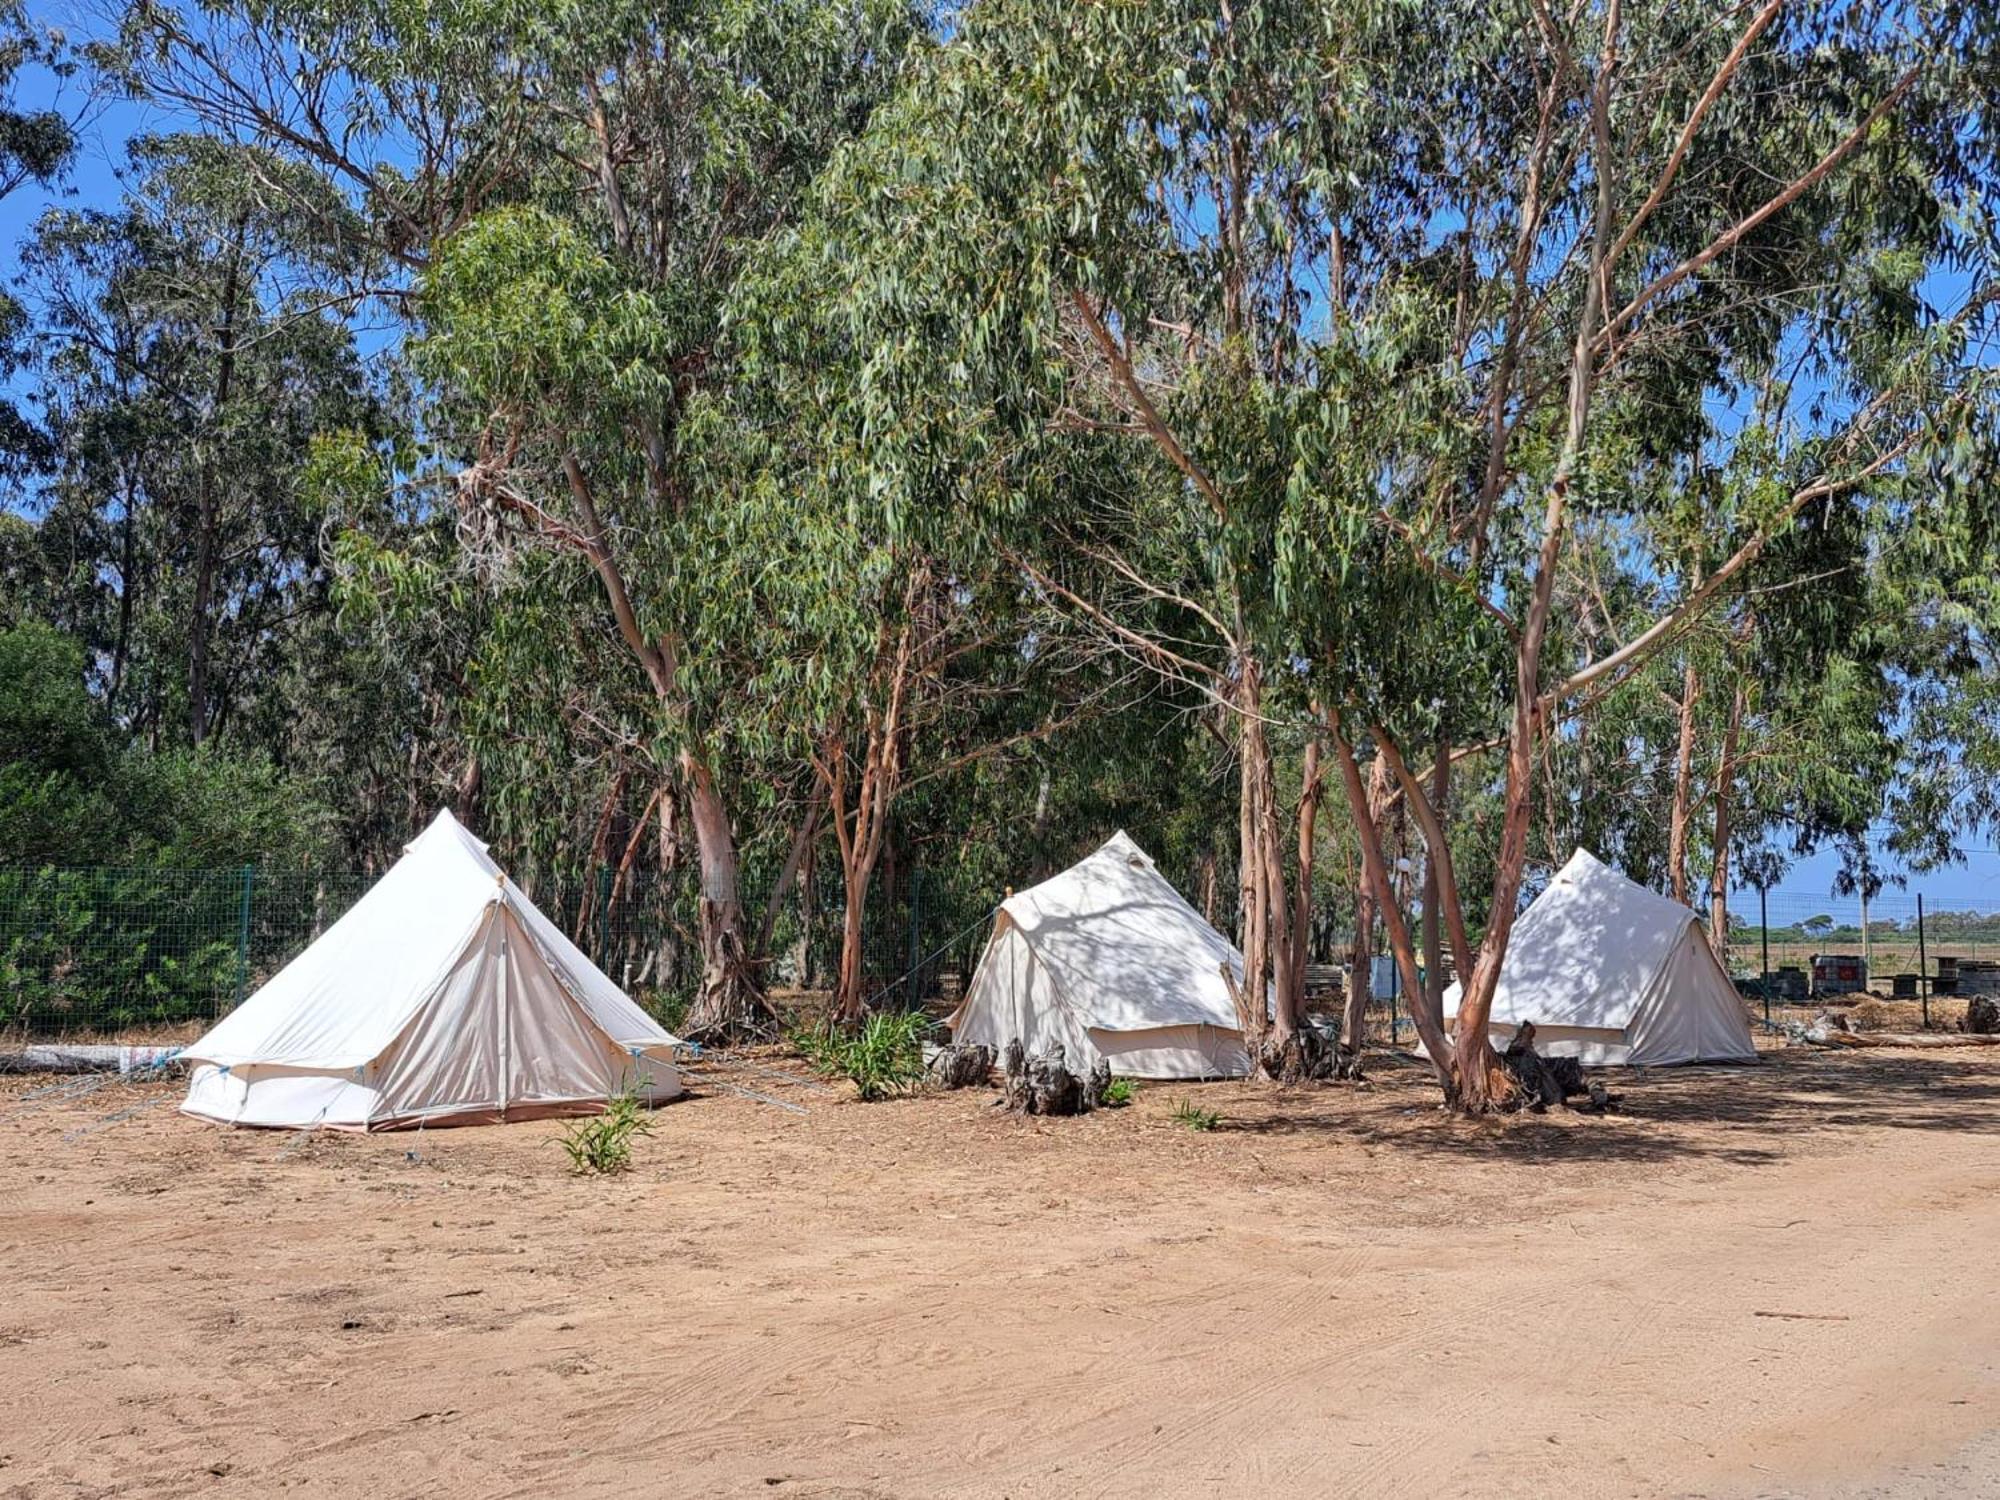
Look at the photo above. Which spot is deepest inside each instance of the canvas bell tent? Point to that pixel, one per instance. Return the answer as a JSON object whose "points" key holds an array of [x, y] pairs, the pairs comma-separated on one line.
{"points": [[1107, 960], [1610, 972], [443, 998]]}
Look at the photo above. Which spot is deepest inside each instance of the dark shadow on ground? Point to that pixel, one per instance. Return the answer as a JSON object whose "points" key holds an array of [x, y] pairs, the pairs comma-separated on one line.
{"points": [[1735, 1114]]}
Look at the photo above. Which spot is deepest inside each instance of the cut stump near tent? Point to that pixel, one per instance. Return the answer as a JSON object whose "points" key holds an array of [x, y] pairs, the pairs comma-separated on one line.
{"points": [[1542, 1081], [1044, 1085], [444, 997]]}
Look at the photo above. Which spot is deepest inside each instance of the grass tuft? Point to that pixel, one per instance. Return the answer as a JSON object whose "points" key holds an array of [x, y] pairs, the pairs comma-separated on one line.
{"points": [[1188, 1113], [603, 1143]]}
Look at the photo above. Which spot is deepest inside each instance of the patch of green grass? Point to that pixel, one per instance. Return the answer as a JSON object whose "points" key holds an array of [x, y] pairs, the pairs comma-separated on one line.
{"points": [[1188, 1113], [1120, 1092], [603, 1143]]}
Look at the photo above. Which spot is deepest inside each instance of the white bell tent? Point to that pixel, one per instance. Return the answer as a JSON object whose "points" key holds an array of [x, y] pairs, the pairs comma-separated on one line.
{"points": [[1610, 972], [1107, 960], [443, 998]]}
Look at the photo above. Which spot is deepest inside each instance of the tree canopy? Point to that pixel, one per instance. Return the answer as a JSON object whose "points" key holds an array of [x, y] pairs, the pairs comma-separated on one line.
{"points": [[1337, 441]]}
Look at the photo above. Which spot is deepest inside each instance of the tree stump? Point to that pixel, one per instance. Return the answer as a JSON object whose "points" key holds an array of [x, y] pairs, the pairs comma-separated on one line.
{"points": [[1307, 1056], [1542, 1081], [1982, 1016], [961, 1066], [1044, 1085]]}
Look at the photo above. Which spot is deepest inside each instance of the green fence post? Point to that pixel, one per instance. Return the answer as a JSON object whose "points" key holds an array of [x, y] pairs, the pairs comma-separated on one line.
{"points": [[603, 915], [243, 933]]}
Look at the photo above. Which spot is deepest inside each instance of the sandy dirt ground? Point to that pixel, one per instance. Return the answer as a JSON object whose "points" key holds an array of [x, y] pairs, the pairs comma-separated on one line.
{"points": [[1754, 1282]]}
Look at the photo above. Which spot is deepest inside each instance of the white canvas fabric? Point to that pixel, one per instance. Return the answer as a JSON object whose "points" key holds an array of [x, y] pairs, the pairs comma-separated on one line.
{"points": [[1107, 960], [1610, 972], [443, 996]]}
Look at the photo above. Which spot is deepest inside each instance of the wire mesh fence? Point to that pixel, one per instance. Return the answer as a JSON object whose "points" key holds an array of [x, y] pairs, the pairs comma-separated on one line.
{"points": [[97, 950], [101, 950], [1900, 943], [152, 953]]}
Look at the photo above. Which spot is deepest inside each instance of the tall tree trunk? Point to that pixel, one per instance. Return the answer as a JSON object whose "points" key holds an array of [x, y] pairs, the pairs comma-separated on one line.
{"points": [[465, 799], [1250, 871], [1477, 1080], [127, 549], [729, 1001], [1437, 845], [1725, 796], [847, 996], [1435, 861], [1309, 793], [1677, 826], [207, 542], [1279, 1000], [788, 875], [1361, 960], [1375, 874], [600, 854]]}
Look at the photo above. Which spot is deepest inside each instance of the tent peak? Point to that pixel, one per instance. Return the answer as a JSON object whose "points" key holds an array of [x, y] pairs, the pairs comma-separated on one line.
{"points": [[443, 827], [1122, 842]]}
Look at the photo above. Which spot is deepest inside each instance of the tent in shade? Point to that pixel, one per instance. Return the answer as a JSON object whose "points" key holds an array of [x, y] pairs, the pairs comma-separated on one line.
{"points": [[1610, 972], [1107, 960], [443, 998]]}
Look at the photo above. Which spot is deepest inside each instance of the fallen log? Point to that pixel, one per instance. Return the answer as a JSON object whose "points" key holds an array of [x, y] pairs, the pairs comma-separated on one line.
{"points": [[1835, 1038], [88, 1058]]}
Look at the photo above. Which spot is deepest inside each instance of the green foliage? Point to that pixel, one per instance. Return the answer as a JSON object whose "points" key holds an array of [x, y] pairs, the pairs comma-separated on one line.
{"points": [[819, 1045], [1193, 1116], [603, 1143], [797, 315], [59, 754], [1119, 1092], [884, 1056], [36, 144], [72, 792]]}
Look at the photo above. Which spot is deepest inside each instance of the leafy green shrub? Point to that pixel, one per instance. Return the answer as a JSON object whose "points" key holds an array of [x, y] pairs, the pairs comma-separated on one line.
{"points": [[818, 1046], [886, 1056], [1119, 1092], [1192, 1115], [603, 1143]]}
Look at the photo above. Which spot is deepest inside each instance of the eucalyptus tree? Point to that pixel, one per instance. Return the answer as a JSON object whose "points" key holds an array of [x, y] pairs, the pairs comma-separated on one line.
{"points": [[181, 385], [560, 199], [1399, 303], [1046, 233]]}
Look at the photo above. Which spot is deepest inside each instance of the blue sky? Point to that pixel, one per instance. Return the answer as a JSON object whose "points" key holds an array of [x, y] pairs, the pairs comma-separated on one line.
{"points": [[95, 183]]}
